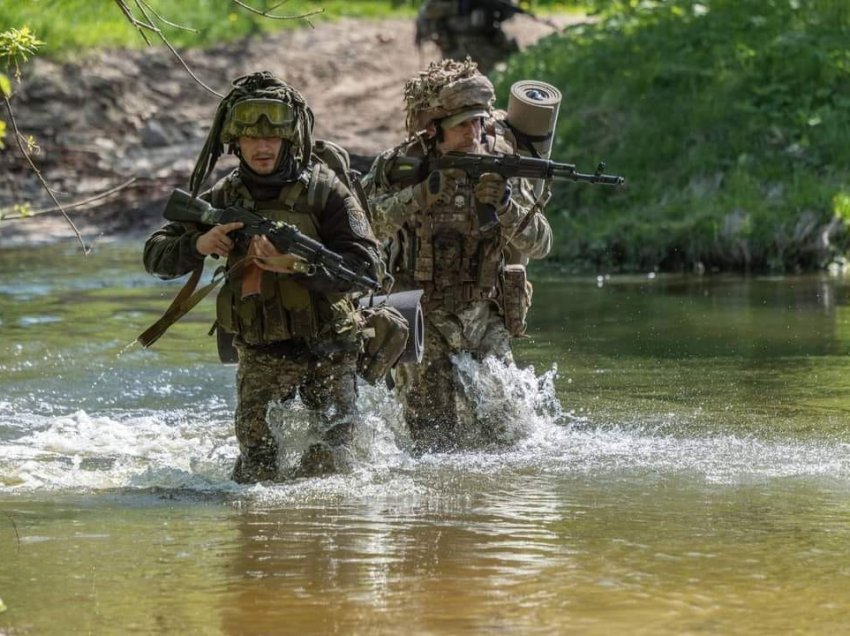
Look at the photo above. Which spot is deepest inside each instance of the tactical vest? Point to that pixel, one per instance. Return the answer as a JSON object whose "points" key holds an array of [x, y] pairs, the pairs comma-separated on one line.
{"points": [[449, 257], [284, 309]]}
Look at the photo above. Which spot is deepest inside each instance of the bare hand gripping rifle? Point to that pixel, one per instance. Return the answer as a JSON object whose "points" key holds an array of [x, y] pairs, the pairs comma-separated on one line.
{"points": [[406, 171], [286, 238]]}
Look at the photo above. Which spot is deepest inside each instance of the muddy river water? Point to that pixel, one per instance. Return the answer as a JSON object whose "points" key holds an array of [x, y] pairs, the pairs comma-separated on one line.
{"points": [[680, 464]]}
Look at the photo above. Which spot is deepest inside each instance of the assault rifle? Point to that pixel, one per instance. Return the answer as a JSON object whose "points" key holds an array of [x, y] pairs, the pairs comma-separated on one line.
{"points": [[412, 170], [286, 238], [406, 171]]}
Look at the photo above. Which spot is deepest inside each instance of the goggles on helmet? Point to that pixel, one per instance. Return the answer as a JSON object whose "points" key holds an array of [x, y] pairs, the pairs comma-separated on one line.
{"points": [[249, 112]]}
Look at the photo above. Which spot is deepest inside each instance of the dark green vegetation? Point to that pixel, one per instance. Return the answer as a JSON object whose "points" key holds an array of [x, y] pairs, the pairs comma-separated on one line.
{"points": [[730, 120]]}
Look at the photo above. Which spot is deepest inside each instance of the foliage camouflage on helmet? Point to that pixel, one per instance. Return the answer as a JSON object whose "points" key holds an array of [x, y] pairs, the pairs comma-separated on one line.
{"points": [[260, 85], [445, 88]]}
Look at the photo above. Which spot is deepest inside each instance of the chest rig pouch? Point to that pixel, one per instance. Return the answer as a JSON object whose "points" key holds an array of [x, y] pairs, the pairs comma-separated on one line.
{"points": [[283, 309], [456, 262]]}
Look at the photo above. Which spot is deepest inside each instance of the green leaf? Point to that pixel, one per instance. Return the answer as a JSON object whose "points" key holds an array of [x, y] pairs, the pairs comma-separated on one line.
{"points": [[5, 86], [841, 205]]}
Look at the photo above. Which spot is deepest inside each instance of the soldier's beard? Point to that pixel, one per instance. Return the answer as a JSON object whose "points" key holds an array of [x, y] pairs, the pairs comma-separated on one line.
{"points": [[268, 186]]}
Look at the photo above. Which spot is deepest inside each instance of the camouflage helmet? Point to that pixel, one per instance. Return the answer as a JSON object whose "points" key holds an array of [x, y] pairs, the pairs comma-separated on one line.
{"points": [[258, 105], [447, 90]]}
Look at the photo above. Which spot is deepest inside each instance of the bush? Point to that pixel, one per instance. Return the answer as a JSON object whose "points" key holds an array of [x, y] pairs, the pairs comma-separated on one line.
{"points": [[729, 118]]}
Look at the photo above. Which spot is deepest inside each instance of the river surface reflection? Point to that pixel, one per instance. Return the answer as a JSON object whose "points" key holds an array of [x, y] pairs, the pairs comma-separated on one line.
{"points": [[680, 464]]}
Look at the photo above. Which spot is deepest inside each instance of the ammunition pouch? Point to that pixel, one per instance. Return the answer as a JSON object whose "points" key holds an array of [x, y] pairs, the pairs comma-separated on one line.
{"points": [[516, 299], [447, 258], [386, 333], [393, 330], [227, 353]]}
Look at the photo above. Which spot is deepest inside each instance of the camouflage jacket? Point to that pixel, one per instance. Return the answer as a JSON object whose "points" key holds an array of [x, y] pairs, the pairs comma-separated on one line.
{"points": [[290, 305], [441, 249]]}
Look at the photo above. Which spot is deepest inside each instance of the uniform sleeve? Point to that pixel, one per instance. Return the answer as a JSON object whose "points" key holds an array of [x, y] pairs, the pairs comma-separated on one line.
{"points": [[391, 206], [523, 223], [344, 229], [170, 251]]}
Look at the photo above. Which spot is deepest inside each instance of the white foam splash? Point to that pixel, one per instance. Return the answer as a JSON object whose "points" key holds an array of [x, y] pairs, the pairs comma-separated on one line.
{"points": [[79, 451], [510, 403], [194, 448]]}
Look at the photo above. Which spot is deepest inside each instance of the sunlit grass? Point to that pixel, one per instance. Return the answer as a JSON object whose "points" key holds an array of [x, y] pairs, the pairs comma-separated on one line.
{"points": [[69, 26]]}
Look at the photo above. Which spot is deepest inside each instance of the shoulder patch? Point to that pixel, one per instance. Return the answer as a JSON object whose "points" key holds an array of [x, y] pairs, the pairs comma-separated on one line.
{"points": [[357, 219]]}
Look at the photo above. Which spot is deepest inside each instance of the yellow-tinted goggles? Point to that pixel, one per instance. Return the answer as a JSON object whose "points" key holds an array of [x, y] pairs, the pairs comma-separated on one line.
{"points": [[250, 111]]}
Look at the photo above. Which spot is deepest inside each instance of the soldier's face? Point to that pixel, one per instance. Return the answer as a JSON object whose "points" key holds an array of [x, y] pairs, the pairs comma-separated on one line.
{"points": [[260, 153], [465, 137]]}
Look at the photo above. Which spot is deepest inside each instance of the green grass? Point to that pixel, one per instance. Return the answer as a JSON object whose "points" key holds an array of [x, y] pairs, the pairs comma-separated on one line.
{"points": [[71, 26]]}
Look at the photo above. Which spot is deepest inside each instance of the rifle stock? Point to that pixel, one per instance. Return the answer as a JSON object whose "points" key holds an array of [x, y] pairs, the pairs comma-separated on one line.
{"points": [[286, 238]]}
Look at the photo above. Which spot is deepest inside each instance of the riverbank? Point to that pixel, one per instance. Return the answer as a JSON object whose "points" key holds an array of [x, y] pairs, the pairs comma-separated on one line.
{"points": [[134, 121]]}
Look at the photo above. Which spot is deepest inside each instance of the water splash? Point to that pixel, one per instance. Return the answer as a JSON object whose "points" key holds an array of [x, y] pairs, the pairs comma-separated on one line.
{"points": [[79, 451], [509, 403], [110, 369], [193, 448]]}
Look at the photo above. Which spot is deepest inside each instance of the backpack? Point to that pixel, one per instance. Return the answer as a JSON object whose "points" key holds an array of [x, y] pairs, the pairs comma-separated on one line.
{"points": [[338, 160]]}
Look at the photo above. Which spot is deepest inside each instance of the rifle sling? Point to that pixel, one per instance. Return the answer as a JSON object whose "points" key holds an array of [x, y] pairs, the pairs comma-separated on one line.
{"points": [[528, 141], [185, 300]]}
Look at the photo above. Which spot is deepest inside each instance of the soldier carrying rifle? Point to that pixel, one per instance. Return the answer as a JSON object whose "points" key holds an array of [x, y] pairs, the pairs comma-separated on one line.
{"points": [[460, 208], [294, 322], [452, 234]]}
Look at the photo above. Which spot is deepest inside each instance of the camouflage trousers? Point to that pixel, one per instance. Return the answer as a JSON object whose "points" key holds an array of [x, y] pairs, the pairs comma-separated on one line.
{"points": [[438, 411], [326, 385]]}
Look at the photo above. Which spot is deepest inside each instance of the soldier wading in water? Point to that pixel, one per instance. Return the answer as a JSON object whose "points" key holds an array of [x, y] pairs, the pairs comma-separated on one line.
{"points": [[473, 302], [295, 332]]}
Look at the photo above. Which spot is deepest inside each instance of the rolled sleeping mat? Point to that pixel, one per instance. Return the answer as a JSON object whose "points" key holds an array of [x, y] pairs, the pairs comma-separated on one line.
{"points": [[533, 112], [408, 305]]}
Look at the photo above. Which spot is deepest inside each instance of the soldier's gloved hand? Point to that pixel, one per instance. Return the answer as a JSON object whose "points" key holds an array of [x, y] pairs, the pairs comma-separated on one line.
{"points": [[437, 188], [493, 189]]}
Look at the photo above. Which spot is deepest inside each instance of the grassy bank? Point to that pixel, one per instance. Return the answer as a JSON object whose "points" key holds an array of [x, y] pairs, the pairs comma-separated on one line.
{"points": [[731, 121], [72, 26]]}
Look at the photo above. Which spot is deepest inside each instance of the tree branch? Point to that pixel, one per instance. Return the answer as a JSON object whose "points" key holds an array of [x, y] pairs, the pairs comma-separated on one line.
{"points": [[76, 204], [266, 13], [140, 26], [38, 174]]}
